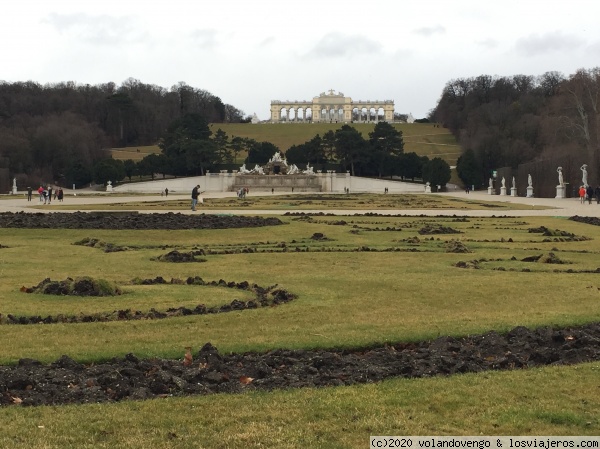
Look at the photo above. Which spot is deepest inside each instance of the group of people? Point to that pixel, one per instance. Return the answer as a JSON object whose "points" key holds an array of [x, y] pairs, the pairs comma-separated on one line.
{"points": [[243, 191], [45, 193], [587, 193]]}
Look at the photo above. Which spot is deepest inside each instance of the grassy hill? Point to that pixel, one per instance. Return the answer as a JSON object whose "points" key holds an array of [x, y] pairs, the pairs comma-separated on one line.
{"points": [[134, 153], [423, 138]]}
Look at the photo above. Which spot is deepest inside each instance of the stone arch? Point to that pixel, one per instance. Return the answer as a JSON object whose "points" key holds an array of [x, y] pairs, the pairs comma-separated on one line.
{"points": [[331, 107]]}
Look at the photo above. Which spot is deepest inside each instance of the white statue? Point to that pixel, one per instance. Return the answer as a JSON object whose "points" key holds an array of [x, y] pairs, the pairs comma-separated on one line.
{"points": [[584, 175], [514, 185], [491, 183], [243, 170], [109, 187], [276, 157], [561, 181], [309, 170], [293, 169], [14, 182], [503, 182], [529, 180], [258, 170]]}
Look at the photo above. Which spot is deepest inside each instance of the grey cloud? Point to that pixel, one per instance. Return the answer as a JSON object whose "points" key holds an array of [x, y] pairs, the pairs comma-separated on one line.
{"points": [[336, 45], [488, 43], [102, 29], [550, 42], [430, 31], [267, 41], [594, 49], [206, 38]]}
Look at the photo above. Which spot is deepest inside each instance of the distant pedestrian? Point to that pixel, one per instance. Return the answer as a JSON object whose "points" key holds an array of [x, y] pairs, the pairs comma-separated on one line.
{"points": [[41, 193], [195, 194], [597, 193], [582, 192], [467, 189], [589, 192], [29, 193], [45, 195], [49, 194], [60, 194], [166, 191], [272, 190]]}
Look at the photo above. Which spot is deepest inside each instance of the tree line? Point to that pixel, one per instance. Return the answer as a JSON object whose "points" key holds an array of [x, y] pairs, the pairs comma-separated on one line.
{"points": [[190, 149], [58, 132], [508, 121]]}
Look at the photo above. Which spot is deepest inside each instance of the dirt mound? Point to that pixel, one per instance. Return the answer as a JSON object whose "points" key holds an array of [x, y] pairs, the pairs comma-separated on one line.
{"points": [[474, 264], [83, 286], [97, 243], [438, 229], [130, 220], [544, 258], [456, 246], [66, 381], [558, 235], [178, 257], [588, 220]]}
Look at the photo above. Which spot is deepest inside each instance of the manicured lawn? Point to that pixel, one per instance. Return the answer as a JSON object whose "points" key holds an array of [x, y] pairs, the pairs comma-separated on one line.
{"points": [[366, 281]]}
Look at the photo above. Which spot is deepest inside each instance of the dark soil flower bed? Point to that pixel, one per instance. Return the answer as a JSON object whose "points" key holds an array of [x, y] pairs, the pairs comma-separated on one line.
{"points": [[65, 381], [130, 220], [263, 297]]}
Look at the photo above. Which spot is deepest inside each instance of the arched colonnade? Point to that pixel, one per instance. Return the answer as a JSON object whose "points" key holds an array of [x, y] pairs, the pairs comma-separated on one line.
{"points": [[331, 107]]}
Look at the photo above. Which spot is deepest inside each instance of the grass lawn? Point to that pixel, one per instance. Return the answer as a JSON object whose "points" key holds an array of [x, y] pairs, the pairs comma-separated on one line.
{"points": [[353, 291]]}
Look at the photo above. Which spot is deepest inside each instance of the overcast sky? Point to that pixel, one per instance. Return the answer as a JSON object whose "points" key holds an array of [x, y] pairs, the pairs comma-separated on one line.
{"points": [[249, 52]]}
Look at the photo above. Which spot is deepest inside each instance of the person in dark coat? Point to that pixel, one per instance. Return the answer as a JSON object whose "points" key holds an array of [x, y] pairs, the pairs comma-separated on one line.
{"points": [[590, 193], [597, 193], [195, 194]]}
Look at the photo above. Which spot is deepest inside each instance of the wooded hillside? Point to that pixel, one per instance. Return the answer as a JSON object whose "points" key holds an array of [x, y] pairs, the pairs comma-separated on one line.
{"points": [[508, 121]]}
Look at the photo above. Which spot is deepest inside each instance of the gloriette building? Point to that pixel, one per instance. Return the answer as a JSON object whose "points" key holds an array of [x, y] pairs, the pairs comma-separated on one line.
{"points": [[332, 107]]}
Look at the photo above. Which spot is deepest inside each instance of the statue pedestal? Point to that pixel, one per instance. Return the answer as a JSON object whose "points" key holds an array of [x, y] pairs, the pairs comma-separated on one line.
{"points": [[503, 191], [529, 191], [513, 191], [427, 189], [560, 192], [14, 190], [490, 191]]}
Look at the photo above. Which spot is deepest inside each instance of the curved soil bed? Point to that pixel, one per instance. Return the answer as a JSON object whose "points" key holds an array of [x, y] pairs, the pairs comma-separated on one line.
{"points": [[206, 372], [263, 297], [130, 220]]}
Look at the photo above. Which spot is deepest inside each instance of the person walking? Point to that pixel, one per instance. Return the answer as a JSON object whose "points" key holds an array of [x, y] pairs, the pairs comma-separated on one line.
{"points": [[597, 193], [582, 194], [166, 191], [41, 193], [29, 193], [49, 194], [60, 194], [195, 194], [589, 192]]}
